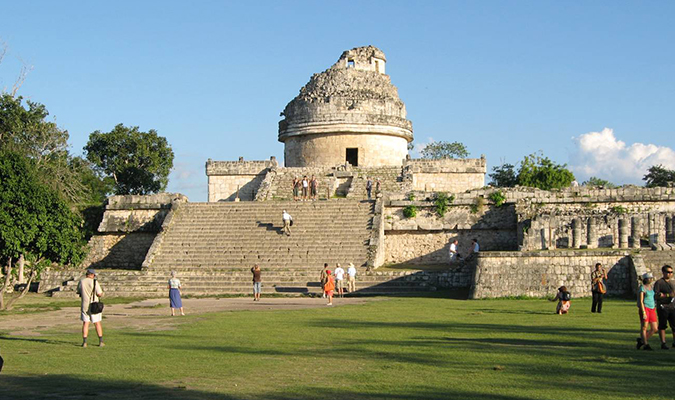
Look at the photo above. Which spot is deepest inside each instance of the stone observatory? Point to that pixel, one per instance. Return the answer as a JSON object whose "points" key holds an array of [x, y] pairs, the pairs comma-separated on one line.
{"points": [[349, 113]]}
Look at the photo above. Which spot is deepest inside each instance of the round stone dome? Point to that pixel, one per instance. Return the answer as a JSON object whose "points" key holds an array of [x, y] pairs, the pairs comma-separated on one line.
{"points": [[353, 97]]}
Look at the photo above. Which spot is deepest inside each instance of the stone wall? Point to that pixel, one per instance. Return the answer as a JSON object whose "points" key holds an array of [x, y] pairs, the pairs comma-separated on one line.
{"points": [[447, 175], [331, 149], [540, 274], [228, 180]]}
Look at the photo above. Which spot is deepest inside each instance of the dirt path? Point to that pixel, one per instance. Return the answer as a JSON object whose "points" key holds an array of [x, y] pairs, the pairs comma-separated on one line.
{"points": [[154, 314]]}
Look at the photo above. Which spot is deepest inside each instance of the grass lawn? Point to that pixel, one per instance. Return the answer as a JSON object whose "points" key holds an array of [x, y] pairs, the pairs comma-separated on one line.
{"points": [[399, 348]]}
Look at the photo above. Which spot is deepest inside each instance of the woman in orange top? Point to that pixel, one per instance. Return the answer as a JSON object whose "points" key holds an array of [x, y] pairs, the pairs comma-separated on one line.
{"points": [[329, 287]]}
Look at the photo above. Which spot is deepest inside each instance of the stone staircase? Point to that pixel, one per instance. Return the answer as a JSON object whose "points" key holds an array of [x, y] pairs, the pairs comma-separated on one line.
{"points": [[654, 260], [390, 181], [282, 184]]}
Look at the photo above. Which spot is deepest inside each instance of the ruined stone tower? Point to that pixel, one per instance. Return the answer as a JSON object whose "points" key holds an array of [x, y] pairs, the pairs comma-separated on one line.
{"points": [[350, 112]]}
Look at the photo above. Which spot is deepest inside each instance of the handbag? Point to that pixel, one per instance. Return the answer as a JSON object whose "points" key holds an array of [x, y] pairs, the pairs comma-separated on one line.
{"points": [[95, 307], [601, 287]]}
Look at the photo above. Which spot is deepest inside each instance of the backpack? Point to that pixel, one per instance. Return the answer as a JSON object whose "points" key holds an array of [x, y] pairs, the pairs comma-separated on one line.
{"points": [[565, 296]]}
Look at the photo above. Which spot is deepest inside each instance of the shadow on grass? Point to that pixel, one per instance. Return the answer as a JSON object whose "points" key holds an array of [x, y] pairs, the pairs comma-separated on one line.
{"points": [[69, 387], [36, 340]]}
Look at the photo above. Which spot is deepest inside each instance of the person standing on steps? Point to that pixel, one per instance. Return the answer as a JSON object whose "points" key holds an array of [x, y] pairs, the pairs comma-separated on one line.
{"points": [[369, 187], [305, 187], [647, 309], [313, 187], [90, 291], [664, 290], [339, 280], [288, 221], [454, 255], [378, 186], [175, 300], [296, 188], [598, 287], [257, 282], [475, 248], [324, 278], [351, 274]]}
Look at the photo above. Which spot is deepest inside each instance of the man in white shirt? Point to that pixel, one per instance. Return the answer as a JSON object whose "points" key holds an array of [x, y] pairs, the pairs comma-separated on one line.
{"points": [[286, 217], [351, 283], [454, 255], [90, 291], [339, 280], [475, 248]]}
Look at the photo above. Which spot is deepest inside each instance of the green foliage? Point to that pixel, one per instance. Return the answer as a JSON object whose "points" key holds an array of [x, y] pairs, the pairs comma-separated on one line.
{"points": [[478, 205], [540, 172], [442, 201], [34, 220], [498, 198], [411, 146], [620, 210], [504, 176], [597, 182], [411, 196], [439, 150], [410, 211], [659, 176], [138, 162]]}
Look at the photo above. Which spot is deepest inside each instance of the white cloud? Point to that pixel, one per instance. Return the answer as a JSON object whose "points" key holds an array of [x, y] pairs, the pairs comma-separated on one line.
{"points": [[602, 155]]}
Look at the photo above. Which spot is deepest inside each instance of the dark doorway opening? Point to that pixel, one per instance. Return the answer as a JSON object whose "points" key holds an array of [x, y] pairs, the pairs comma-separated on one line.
{"points": [[353, 157]]}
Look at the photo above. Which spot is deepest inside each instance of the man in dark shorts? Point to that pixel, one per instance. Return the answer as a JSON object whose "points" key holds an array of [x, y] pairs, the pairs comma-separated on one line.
{"points": [[664, 291]]}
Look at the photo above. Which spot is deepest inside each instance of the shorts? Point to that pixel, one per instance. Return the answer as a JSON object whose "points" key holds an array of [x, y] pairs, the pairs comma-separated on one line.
{"points": [[650, 317], [256, 287], [338, 284], [94, 318], [666, 317]]}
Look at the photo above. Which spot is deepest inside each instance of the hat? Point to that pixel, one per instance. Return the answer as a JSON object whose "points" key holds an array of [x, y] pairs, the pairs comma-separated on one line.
{"points": [[328, 271], [647, 275], [91, 271], [351, 265]]}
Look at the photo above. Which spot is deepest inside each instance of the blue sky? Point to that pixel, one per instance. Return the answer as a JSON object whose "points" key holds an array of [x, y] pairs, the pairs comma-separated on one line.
{"points": [[588, 83]]}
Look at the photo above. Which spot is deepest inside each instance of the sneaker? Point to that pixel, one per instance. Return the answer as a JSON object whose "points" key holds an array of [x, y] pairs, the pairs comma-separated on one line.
{"points": [[647, 347], [329, 304], [640, 343], [101, 344], [84, 344], [664, 346]]}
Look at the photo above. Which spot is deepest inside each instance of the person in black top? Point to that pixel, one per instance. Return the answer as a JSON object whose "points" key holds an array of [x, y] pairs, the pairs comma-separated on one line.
{"points": [[664, 291]]}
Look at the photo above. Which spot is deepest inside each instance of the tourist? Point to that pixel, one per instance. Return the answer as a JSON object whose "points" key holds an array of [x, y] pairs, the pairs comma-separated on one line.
{"points": [[475, 248], [598, 287], [296, 188], [351, 283], [324, 278], [257, 282], [664, 289], [329, 287], [313, 187], [288, 221], [369, 187], [378, 186], [175, 294], [454, 255], [305, 187], [564, 301], [90, 292], [339, 280], [647, 309]]}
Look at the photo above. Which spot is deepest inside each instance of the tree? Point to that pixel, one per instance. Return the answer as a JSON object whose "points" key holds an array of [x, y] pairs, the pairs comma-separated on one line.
{"points": [[597, 182], [504, 176], [439, 150], [540, 172], [35, 222], [138, 162], [657, 175]]}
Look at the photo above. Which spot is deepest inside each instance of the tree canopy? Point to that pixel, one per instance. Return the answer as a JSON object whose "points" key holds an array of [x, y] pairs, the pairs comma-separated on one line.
{"points": [[540, 172], [658, 175], [138, 162], [439, 150], [597, 182], [504, 176]]}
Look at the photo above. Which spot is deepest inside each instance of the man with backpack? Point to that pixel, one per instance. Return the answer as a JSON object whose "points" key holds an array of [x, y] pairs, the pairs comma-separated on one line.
{"points": [[664, 291], [90, 291]]}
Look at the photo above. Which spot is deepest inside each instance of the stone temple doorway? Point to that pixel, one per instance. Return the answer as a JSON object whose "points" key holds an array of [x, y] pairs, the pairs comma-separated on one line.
{"points": [[353, 157]]}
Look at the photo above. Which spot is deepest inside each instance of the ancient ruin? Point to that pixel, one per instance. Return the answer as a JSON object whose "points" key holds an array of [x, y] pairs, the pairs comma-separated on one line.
{"points": [[346, 126]]}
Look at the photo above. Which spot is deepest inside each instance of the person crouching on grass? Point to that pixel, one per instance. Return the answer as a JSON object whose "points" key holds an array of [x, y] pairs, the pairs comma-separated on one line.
{"points": [[647, 309], [564, 301], [329, 287]]}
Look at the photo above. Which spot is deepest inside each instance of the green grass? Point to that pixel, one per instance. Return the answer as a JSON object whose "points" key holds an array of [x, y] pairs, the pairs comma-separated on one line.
{"points": [[36, 303], [402, 348]]}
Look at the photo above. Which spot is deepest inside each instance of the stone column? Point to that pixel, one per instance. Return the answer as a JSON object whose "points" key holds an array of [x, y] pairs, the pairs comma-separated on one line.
{"points": [[623, 233], [636, 231], [576, 233], [592, 236], [669, 229]]}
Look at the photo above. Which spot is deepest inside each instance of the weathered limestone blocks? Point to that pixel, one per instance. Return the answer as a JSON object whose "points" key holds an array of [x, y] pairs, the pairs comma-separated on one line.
{"points": [[229, 180], [540, 274]]}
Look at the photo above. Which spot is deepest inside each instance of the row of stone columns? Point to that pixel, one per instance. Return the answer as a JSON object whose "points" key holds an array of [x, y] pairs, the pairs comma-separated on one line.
{"points": [[660, 230]]}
